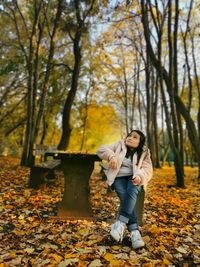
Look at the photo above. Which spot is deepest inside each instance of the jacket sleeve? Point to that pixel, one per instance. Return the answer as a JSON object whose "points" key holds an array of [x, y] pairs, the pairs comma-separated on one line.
{"points": [[145, 170], [106, 152]]}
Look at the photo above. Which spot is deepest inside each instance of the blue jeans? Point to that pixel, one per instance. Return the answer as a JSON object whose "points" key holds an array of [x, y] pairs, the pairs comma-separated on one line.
{"points": [[127, 193]]}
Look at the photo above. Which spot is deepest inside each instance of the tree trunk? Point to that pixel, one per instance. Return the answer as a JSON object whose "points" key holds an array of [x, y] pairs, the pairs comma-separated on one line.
{"points": [[198, 88], [33, 122], [30, 95], [85, 118], [155, 128], [66, 128], [44, 130], [148, 110]]}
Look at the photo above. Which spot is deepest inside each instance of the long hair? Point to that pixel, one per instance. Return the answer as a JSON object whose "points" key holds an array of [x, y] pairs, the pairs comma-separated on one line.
{"points": [[139, 149]]}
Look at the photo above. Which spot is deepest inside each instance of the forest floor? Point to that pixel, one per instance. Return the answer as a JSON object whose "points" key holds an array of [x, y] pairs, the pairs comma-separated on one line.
{"points": [[30, 237]]}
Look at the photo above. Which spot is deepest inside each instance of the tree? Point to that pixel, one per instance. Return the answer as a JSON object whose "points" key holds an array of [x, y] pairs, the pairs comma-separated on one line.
{"points": [[81, 13], [170, 78], [41, 25]]}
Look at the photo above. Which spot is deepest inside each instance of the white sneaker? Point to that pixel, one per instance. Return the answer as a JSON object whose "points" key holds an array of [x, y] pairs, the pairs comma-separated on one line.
{"points": [[117, 231], [136, 239]]}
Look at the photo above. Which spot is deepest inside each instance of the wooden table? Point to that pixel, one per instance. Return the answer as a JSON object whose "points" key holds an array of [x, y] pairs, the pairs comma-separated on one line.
{"points": [[77, 168]]}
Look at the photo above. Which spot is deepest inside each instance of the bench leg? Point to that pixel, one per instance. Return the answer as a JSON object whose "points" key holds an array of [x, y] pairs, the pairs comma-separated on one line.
{"points": [[36, 177], [51, 175], [139, 206]]}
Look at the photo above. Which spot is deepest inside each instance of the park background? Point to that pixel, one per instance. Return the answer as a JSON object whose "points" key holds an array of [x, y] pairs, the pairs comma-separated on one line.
{"points": [[77, 74]]}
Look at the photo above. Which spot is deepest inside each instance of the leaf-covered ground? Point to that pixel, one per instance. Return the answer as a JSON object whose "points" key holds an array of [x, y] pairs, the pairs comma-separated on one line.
{"points": [[30, 237]]}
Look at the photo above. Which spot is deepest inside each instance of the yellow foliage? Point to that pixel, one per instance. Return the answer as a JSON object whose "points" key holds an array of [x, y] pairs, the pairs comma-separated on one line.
{"points": [[102, 126]]}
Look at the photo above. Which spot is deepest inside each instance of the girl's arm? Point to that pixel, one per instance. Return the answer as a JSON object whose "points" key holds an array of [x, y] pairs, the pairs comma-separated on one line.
{"points": [[106, 152], [145, 171]]}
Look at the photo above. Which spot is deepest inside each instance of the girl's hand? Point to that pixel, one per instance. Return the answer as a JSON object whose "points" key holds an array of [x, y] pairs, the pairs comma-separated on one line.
{"points": [[136, 180], [113, 163]]}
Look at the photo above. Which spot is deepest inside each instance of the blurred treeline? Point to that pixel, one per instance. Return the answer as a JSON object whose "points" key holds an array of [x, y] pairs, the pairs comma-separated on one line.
{"points": [[79, 73]]}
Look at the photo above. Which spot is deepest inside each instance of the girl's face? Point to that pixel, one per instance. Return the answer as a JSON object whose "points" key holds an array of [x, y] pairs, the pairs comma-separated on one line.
{"points": [[133, 140]]}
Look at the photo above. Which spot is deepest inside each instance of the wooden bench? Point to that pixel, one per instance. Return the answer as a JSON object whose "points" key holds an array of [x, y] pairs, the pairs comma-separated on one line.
{"points": [[44, 170]]}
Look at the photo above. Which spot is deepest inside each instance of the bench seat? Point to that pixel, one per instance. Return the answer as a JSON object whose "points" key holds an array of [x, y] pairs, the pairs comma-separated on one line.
{"points": [[49, 164], [42, 171]]}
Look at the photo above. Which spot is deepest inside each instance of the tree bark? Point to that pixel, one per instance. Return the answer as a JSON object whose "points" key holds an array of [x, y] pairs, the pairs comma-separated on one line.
{"points": [[155, 126]]}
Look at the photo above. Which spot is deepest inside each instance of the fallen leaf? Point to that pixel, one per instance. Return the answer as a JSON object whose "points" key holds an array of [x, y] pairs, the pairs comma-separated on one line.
{"points": [[56, 257], [108, 256], [69, 256], [181, 250], [146, 239], [4, 265], [29, 250], [116, 247], [95, 263], [166, 261], [15, 262], [67, 262]]}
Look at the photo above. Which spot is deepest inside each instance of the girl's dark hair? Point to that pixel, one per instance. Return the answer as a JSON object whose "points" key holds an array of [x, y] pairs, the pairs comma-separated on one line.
{"points": [[139, 149]]}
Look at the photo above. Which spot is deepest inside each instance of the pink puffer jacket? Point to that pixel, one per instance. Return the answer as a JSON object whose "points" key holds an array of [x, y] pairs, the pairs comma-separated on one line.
{"points": [[144, 168]]}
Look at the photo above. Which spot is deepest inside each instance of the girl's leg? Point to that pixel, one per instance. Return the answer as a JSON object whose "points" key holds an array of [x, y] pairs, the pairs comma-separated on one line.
{"points": [[128, 207], [120, 186], [117, 229], [132, 223], [127, 213]]}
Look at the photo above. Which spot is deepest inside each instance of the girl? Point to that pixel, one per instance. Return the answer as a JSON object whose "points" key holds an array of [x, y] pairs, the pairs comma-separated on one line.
{"points": [[130, 168]]}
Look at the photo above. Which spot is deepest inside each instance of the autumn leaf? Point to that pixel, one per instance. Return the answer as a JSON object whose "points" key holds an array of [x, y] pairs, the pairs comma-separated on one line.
{"points": [[166, 262], [29, 250], [108, 256], [95, 263]]}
